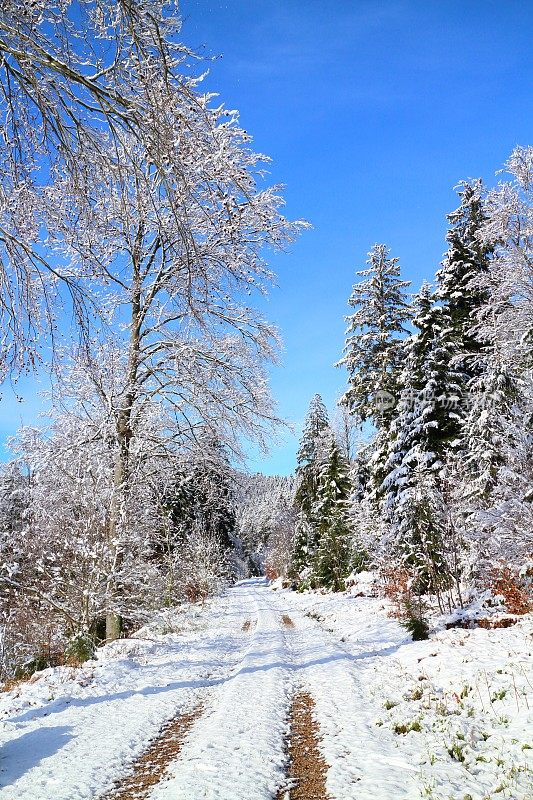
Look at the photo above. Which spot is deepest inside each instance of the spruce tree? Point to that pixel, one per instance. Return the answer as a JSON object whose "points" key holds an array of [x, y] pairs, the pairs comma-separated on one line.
{"points": [[331, 563], [488, 431], [499, 386], [423, 527], [332, 560], [305, 538], [333, 484], [372, 353], [316, 422], [431, 376], [421, 436], [467, 260], [428, 409], [488, 387], [498, 477], [316, 426]]}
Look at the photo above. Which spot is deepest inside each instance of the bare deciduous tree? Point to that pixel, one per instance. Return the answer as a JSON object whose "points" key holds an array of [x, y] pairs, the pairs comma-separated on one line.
{"points": [[126, 186]]}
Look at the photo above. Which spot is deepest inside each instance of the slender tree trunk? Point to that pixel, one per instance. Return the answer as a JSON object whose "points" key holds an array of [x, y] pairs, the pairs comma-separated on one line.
{"points": [[113, 626], [124, 433]]}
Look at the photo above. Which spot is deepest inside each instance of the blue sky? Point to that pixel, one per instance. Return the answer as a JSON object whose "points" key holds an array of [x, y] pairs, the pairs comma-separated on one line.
{"points": [[371, 112]]}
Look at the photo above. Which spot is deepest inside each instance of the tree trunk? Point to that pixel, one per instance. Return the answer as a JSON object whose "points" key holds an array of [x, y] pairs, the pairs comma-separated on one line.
{"points": [[113, 626], [124, 434], [113, 620]]}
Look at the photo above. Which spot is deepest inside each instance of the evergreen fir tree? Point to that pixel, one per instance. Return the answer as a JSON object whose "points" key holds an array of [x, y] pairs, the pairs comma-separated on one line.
{"points": [[497, 481], [316, 422], [316, 426], [421, 436], [468, 257], [332, 560], [489, 426], [360, 474], [422, 527], [487, 386], [499, 383], [333, 486], [304, 547], [331, 564], [431, 378], [428, 410], [372, 354], [364, 523]]}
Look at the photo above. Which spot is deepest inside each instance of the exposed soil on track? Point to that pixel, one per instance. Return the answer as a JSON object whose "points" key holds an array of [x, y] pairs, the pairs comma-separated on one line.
{"points": [[307, 768], [150, 767]]}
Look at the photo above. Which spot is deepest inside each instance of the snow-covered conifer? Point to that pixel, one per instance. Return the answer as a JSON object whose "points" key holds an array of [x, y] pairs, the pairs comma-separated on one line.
{"points": [[333, 482], [422, 528], [498, 470], [332, 559], [316, 428], [468, 257], [489, 426], [422, 437], [316, 422], [372, 353]]}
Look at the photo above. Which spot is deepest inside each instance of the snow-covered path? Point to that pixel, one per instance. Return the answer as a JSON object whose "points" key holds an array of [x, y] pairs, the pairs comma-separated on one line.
{"points": [[74, 731], [71, 733], [363, 758], [236, 749]]}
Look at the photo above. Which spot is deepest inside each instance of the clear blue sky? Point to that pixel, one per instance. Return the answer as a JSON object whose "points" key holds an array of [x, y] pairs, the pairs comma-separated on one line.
{"points": [[372, 112]]}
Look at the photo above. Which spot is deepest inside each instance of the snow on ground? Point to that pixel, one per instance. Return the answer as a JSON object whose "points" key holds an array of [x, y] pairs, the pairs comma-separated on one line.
{"points": [[236, 749], [447, 718], [69, 734], [455, 712]]}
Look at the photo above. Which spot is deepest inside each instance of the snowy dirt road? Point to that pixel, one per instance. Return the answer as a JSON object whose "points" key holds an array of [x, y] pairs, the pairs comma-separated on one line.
{"points": [[238, 746], [71, 734]]}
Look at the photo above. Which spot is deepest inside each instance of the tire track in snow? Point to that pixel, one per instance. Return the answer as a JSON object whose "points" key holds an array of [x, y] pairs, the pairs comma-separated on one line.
{"points": [[363, 758], [149, 769], [72, 739], [235, 751], [307, 768]]}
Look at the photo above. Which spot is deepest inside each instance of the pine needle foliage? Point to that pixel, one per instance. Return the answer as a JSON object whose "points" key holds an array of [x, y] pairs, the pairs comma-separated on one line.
{"points": [[372, 353]]}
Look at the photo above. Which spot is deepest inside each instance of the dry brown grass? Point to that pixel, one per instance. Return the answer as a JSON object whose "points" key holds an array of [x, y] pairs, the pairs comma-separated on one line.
{"points": [[517, 598], [14, 683], [484, 622]]}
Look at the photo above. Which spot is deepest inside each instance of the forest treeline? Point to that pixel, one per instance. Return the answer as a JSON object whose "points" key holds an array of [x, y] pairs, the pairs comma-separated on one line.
{"points": [[437, 493]]}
